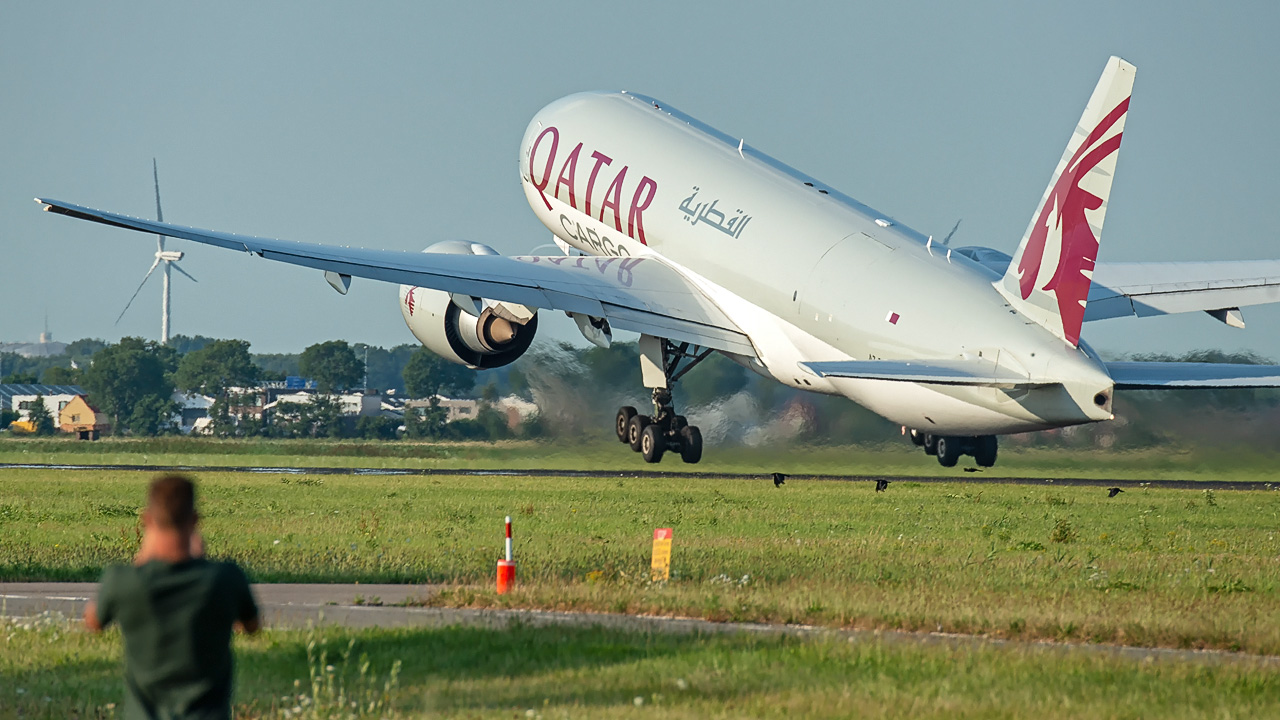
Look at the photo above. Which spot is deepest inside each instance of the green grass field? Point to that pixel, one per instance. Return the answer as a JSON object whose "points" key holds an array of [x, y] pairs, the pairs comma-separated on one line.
{"points": [[52, 669], [1159, 463], [1174, 568]]}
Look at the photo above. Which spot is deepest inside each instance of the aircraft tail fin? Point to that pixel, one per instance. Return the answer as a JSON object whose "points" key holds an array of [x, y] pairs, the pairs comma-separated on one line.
{"points": [[1050, 275]]}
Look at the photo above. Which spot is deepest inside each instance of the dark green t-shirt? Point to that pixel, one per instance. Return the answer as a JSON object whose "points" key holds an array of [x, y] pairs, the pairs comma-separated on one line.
{"points": [[177, 621]]}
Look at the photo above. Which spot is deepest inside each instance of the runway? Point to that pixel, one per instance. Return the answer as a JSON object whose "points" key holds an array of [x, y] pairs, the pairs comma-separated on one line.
{"points": [[296, 605], [977, 478]]}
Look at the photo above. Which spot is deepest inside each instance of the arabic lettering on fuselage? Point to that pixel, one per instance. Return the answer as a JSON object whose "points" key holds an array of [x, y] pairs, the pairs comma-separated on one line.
{"points": [[707, 214], [566, 186]]}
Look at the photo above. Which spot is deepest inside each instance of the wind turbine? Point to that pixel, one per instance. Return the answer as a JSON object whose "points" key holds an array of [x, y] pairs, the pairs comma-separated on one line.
{"points": [[169, 258]]}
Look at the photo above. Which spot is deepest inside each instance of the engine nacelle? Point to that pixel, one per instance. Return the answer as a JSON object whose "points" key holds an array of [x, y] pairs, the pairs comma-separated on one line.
{"points": [[480, 335]]}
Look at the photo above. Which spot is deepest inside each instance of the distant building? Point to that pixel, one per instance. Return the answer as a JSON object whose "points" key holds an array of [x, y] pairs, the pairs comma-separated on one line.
{"points": [[12, 395], [192, 408], [458, 409], [516, 410], [352, 404], [45, 348], [81, 418]]}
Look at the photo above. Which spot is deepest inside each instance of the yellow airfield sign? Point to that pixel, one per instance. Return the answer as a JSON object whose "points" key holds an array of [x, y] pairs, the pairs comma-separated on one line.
{"points": [[661, 554]]}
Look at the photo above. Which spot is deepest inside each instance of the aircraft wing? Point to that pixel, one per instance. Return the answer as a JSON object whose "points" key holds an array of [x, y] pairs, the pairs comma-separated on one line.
{"points": [[642, 295], [1166, 375], [1217, 287], [937, 372]]}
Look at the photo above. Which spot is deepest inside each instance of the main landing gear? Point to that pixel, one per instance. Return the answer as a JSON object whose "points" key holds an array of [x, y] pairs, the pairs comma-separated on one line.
{"points": [[653, 435], [949, 448]]}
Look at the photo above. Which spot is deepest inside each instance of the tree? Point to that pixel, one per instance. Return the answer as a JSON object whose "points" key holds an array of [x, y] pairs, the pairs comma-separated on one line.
{"points": [[319, 416], [40, 417], [129, 375], [61, 376], [376, 427], [20, 378], [217, 366], [84, 348], [385, 367], [427, 422], [184, 344], [152, 415], [428, 375], [333, 365]]}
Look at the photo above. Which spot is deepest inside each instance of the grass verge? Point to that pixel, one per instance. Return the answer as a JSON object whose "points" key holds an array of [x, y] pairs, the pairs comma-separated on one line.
{"points": [[49, 668], [1172, 568], [892, 459]]}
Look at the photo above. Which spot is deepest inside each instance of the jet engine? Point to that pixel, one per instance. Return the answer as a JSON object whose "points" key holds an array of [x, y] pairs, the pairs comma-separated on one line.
{"points": [[470, 331]]}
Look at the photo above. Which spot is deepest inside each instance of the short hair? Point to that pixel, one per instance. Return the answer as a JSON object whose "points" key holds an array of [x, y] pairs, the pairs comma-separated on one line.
{"points": [[171, 500]]}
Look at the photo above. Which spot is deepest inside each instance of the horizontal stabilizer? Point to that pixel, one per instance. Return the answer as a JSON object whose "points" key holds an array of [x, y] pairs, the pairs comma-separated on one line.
{"points": [[1166, 375], [978, 372], [1146, 289]]}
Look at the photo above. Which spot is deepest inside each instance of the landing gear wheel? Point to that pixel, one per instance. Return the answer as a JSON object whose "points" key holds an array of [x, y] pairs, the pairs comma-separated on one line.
{"points": [[917, 437], [690, 444], [635, 428], [652, 444], [984, 450], [949, 450], [620, 423], [930, 443]]}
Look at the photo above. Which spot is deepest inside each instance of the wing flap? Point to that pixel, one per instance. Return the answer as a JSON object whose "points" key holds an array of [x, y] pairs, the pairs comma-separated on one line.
{"points": [[933, 372], [638, 294], [1166, 375]]}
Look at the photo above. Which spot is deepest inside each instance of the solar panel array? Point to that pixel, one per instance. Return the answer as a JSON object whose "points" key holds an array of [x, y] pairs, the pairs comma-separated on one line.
{"points": [[8, 390]]}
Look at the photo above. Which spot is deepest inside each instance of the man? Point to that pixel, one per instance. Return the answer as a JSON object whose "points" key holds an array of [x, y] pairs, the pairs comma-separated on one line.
{"points": [[176, 611]]}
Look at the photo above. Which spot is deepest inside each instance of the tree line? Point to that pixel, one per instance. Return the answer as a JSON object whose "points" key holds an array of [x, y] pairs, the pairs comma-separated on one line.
{"points": [[576, 390]]}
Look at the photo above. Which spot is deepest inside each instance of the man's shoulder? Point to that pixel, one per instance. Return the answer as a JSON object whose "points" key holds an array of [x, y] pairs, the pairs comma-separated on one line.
{"points": [[115, 575], [227, 569]]}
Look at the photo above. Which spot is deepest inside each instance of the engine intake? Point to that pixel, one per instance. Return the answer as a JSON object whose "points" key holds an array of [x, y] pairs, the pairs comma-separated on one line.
{"points": [[495, 337]]}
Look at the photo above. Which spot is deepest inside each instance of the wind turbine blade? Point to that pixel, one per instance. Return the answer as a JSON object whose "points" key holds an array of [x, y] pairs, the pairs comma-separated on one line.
{"points": [[155, 174], [184, 272], [955, 227], [135, 292]]}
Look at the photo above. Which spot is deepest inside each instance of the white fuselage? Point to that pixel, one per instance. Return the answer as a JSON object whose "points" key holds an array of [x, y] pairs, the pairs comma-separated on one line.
{"points": [[808, 273]]}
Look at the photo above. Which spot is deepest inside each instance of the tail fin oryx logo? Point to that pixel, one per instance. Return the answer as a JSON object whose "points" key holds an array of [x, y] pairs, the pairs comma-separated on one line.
{"points": [[1052, 271], [1064, 212]]}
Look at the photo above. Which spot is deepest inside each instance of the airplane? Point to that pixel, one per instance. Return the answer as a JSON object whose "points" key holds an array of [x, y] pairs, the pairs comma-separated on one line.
{"points": [[700, 243]]}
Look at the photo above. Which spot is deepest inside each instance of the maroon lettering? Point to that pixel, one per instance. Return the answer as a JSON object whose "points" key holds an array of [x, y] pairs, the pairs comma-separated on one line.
{"points": [[635, 223], [541, 186], [567, 174], [625, 267], [601, 159], [613, 199]]}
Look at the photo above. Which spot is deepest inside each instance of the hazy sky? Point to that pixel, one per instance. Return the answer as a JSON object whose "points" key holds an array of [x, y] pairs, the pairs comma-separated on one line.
{"points": [[395, 125]]}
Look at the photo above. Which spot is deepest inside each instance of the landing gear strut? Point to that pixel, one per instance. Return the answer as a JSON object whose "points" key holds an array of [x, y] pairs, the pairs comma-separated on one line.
{"points": [[949, 448], [654, 435]]}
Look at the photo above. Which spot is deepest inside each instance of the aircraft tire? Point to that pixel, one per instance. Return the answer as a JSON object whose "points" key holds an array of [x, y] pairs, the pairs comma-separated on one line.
{"points": [[623, 419], [690, 444], [652, 444], [635, 429], [930, 444], [948, 450], [917, 437], [984, 450]]}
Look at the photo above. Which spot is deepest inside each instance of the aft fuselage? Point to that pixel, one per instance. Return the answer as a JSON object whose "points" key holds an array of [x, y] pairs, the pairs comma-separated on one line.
{"points": [[807, 272]]}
